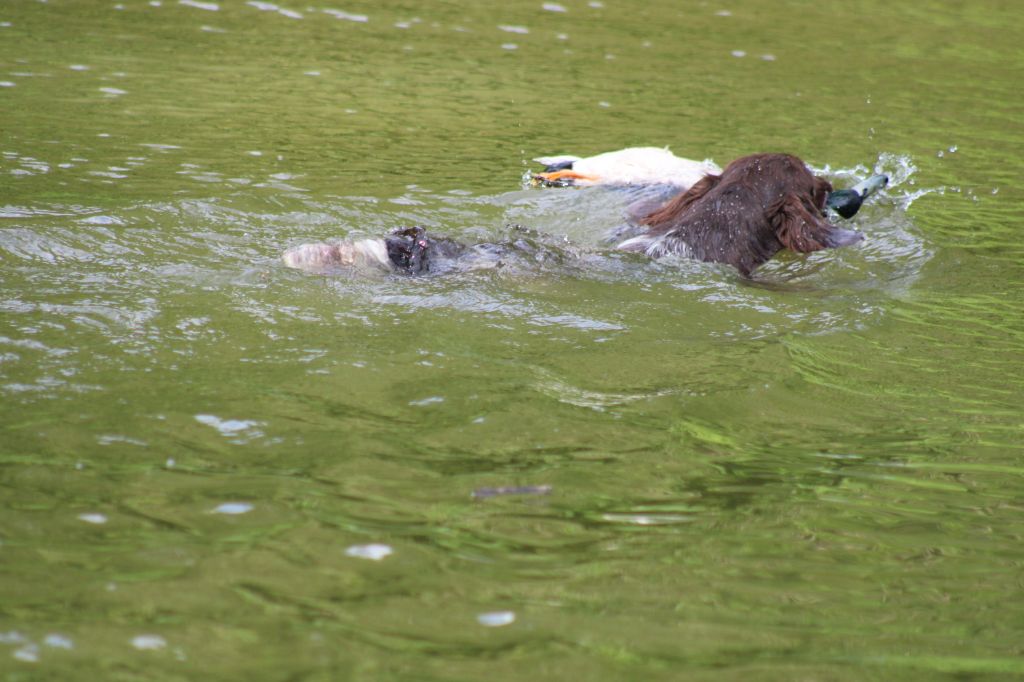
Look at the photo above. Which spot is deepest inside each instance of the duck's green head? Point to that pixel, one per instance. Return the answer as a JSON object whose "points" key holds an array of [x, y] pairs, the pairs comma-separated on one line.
{"points": [[846, 202]]}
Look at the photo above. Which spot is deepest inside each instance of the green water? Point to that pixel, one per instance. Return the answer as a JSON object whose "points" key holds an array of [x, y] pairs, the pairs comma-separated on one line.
{"points": [[815, 475]]}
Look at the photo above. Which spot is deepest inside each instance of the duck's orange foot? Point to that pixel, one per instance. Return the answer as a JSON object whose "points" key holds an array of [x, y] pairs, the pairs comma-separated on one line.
{"points": [[562, 178]]}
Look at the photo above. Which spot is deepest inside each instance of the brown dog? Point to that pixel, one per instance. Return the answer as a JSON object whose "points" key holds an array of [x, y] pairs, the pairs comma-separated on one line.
{"points": [[759, 205]]}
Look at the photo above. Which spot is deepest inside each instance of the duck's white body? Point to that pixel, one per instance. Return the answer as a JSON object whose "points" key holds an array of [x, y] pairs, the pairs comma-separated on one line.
{"points": [[631, 166]]}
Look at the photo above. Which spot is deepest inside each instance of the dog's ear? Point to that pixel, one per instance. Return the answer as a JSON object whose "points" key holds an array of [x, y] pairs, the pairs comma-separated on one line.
{"points": [[797, 228], [676, 206], [819, 195], [802, 230]]}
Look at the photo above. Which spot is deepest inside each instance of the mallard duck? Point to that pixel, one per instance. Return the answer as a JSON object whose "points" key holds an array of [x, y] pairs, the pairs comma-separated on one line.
{"points": [[631, 166]]}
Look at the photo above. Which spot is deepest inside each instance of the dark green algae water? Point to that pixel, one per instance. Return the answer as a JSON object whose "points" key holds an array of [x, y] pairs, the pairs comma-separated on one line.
{"points": [[814, 475]]}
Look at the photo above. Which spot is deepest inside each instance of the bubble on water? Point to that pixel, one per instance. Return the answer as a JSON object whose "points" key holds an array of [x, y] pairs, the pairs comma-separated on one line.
{"points": [[738, 53], [345, 16], [509, 46], [432, 400], [227, 427], [58, 641], [373, 552], [93, 518], [233, 508], [553, 7], [647, 519], [28, 653], [148, 642], [208, 6], [496, 619], [522, 30]]}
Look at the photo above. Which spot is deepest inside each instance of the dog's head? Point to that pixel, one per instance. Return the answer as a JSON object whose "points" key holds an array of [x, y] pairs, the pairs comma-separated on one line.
{"points": [[759, 205], [798, 216], [409, 249]]}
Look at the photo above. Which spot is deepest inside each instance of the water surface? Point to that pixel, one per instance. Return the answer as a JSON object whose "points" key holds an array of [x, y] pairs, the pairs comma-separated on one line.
{"points": [[578, 464]]}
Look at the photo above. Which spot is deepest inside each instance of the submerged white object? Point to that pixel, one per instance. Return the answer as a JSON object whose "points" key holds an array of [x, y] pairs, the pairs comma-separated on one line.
{"points": [[363, 253], [631, 166]]}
